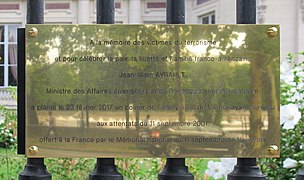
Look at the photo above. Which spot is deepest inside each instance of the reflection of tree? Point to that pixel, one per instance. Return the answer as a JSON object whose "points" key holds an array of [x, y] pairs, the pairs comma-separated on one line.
{"points": [[256, 101], [141, 34], [272, 99], [181, 97], [74, 41], [263, 72], [37, 58], [213, 75], [210, 76]]}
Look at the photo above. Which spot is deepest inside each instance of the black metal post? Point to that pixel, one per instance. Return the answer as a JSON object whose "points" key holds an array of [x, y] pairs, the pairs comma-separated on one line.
{"points": [[175, 168], [35, 12], [34, 168], [175, 12], [246, 168], [105, 12], [300, 175], [246, 12], [105, 167]]}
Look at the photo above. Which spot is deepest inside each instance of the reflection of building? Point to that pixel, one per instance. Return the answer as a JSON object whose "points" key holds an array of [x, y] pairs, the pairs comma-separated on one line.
{"points": [[289, 14]]}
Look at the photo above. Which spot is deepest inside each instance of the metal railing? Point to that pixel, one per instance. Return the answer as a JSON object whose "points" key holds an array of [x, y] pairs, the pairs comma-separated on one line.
{"points": [[175, 168], [6, 99]]}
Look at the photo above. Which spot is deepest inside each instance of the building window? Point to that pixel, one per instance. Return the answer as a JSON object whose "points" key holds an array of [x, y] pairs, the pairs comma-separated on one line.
{"points": [[198, 2], [117, 5], [156, 5], [154, 22], [8, 55], [208, 19], [9, 6], [55, 6]]}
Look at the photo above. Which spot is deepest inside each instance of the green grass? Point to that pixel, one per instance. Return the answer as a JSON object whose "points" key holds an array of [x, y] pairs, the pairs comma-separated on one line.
{"points": [[11, 164]]}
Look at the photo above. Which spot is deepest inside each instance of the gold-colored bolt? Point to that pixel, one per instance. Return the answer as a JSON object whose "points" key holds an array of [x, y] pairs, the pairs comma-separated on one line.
{"points": [[272, 32], [273, 149], [33, 32], [33, 149]]}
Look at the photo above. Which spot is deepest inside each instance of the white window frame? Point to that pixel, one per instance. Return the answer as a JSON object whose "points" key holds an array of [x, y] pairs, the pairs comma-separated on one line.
{"points": [[6, 64], [209, 15]]}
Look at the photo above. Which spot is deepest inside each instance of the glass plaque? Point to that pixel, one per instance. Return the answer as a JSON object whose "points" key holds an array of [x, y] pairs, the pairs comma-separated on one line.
{"points": [[152, 90]]}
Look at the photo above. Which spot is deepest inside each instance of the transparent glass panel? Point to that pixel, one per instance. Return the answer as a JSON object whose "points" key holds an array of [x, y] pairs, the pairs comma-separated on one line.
{"points": [[1, 33], [152, 91], [12, 33], [1, 54], [12, 54], [12, 79], [205, 20], [213, 19], [1, 75]]}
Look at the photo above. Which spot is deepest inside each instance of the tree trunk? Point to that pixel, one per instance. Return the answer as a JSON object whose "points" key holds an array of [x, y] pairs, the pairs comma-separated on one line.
{"points": [[256, 102], [181, 97], [272, 100]]}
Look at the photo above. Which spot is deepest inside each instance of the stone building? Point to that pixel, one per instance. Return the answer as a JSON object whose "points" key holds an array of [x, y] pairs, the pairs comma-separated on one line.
{"points": [[289, 14]]}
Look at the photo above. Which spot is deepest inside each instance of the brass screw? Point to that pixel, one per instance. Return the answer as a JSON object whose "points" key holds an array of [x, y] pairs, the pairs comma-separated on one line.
{"points": [[273, 149], [33, 32], [272, 32], [33, 149]]}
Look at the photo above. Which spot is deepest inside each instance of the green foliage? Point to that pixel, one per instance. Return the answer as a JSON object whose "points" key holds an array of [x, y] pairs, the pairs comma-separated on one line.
{"points": [[140, 168], [198, 166], [8, 140], [291, 147], [70, 168], [8, 125], [292, 142], [11, 164]]}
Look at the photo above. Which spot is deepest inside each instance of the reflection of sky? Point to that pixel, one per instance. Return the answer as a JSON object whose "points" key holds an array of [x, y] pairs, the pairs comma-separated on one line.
{"points": [[53, 52], [202, 49], [239, 41], [198, 50]]}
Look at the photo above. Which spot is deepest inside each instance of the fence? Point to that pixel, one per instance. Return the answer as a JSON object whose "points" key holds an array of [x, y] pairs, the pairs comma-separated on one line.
{"points": [[105, 168], [6, 99]]}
